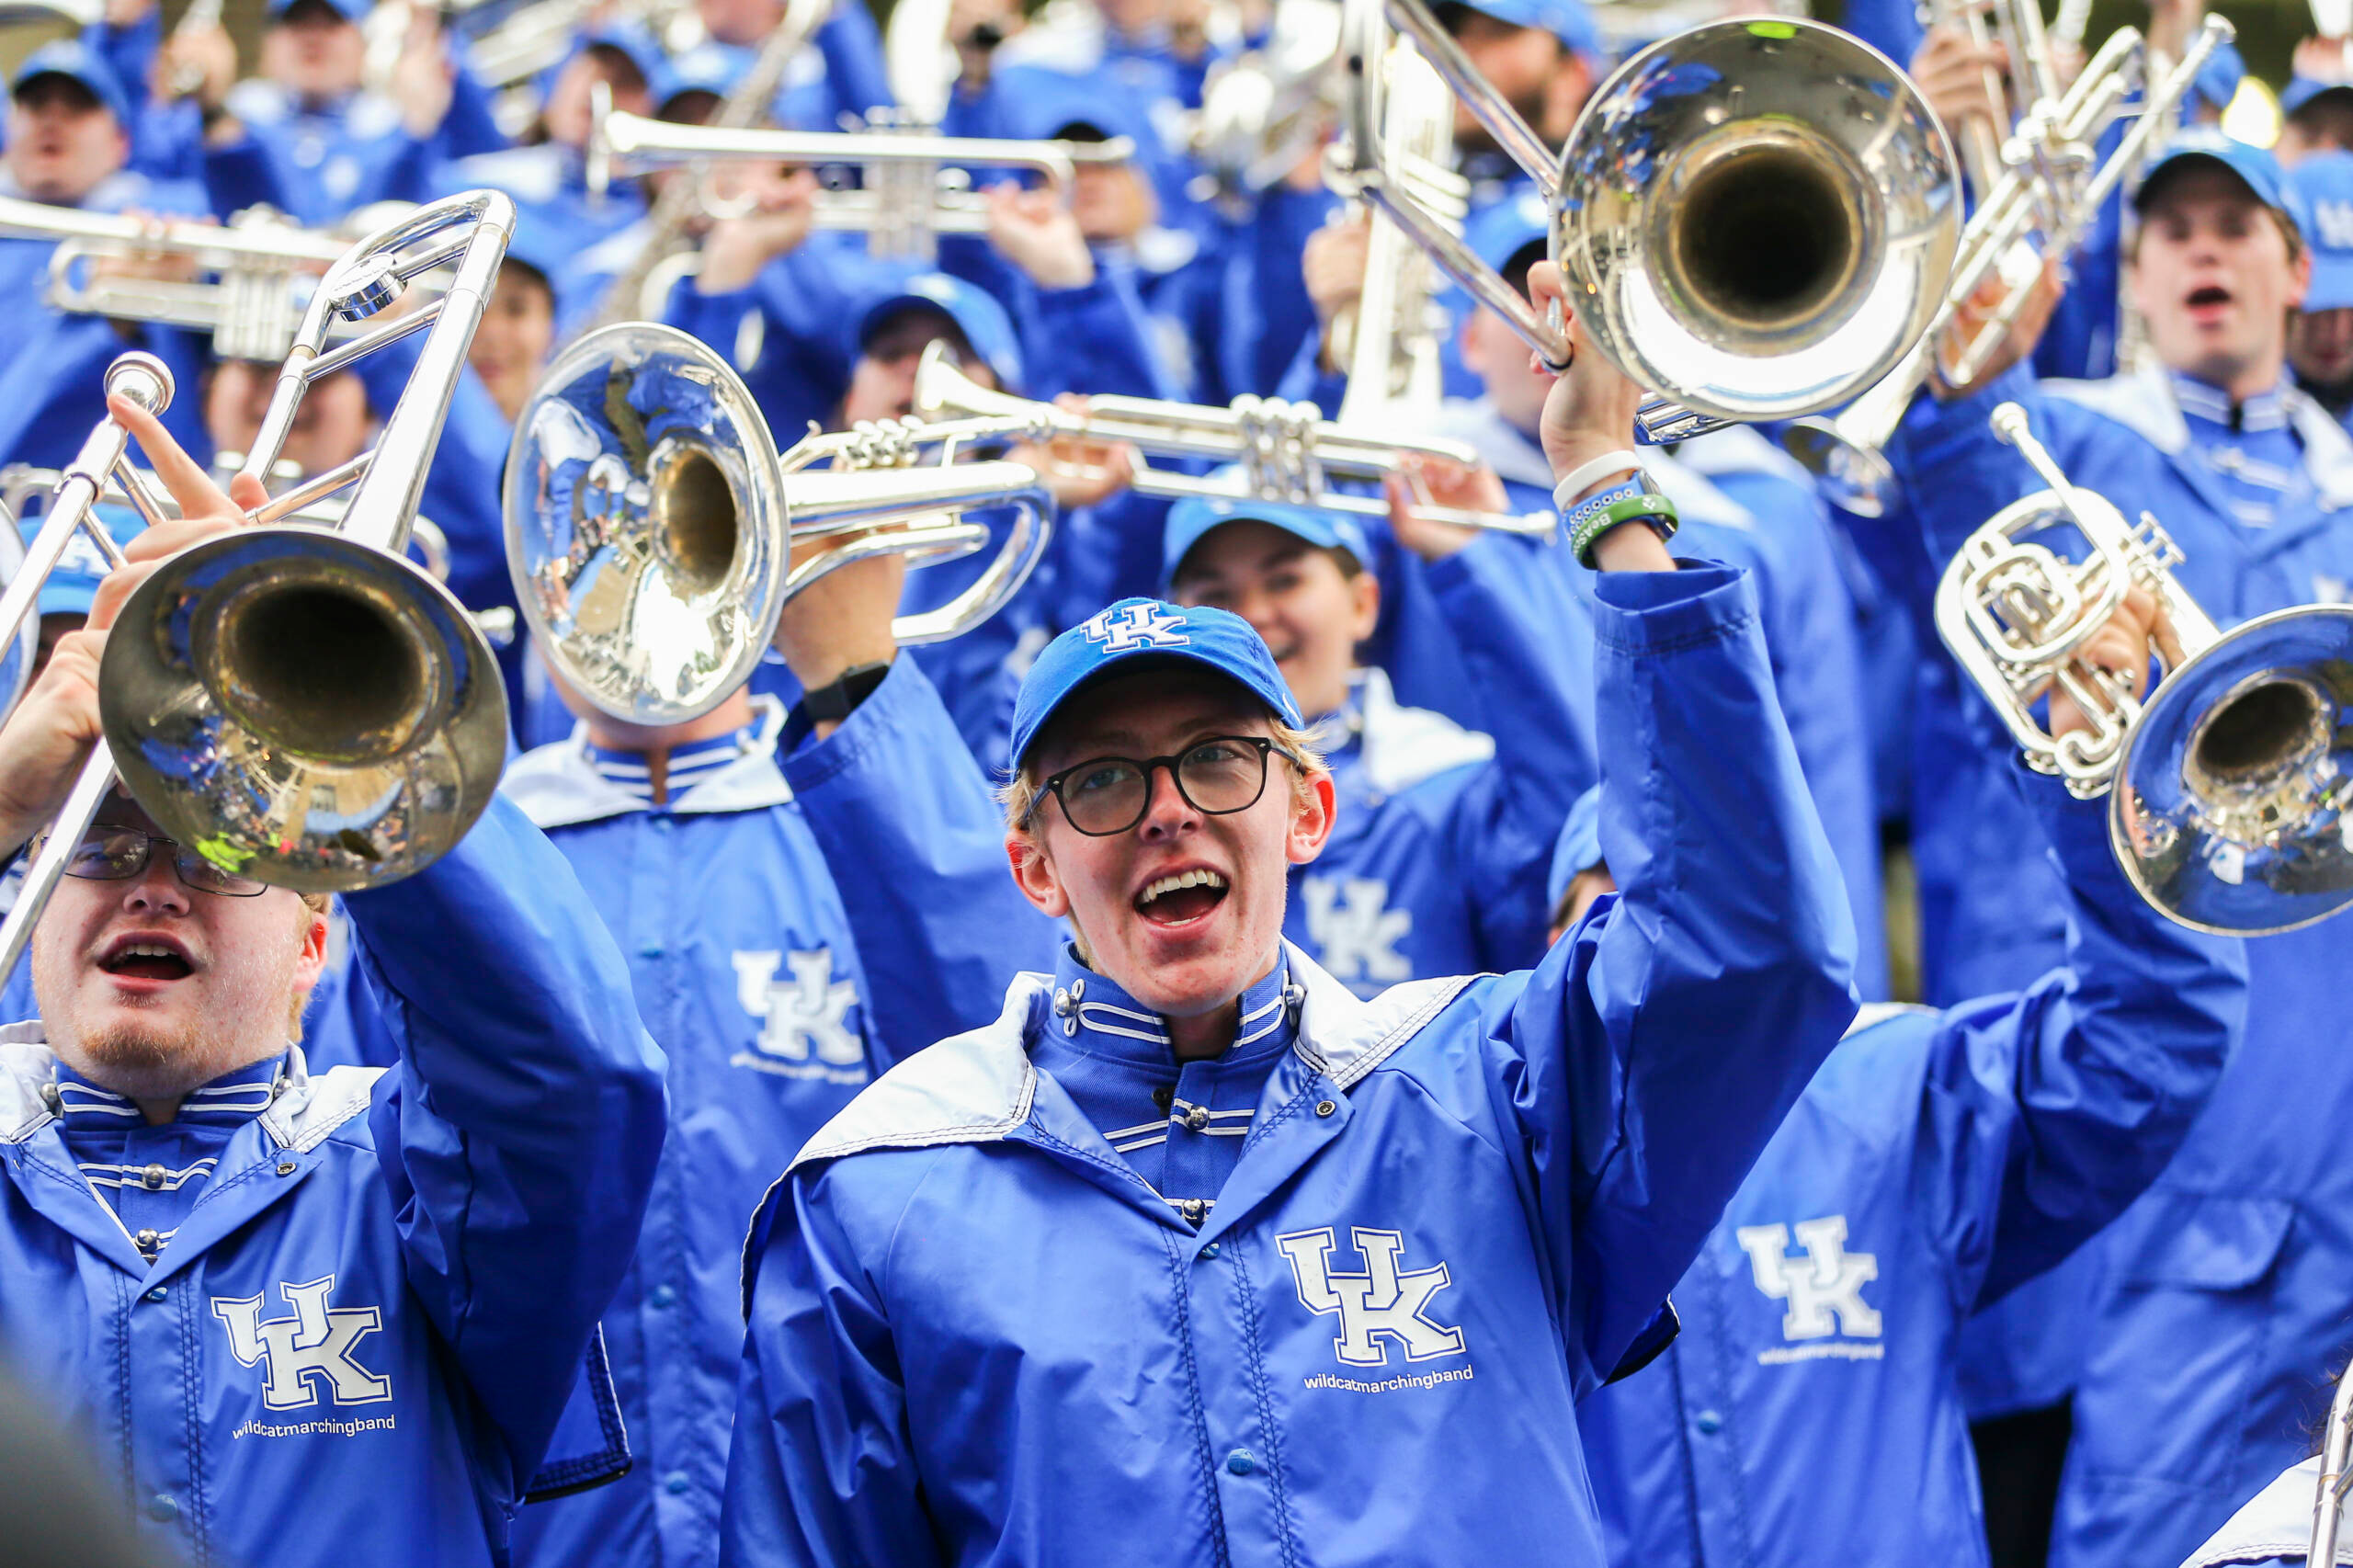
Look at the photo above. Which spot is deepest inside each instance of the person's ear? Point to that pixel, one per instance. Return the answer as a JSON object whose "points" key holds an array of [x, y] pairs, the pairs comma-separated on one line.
{"points": [[1313, 812], [1364, 608], [2302, 282], [312, 960], [1034, 874]]}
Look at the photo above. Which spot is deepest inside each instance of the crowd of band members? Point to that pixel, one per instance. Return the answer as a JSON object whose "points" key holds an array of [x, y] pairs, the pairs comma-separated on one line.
{"points": [[2082, 1174]]}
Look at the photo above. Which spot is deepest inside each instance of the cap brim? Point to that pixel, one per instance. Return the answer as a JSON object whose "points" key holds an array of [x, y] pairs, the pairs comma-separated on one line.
{"points": [[2332, 286], [2165, 171], [1137, 665]]}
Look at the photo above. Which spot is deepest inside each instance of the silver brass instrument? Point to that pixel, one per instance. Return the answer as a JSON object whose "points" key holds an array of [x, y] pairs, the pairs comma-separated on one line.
{"points": [[18, 652], [1265, 109], [304, 707], [2336, 1473], [2227, 787], [1754, 217], [2051, 186], [919, 59], [650, 521], [262, 269], [1390, 338], [1280, 450], [916, 182]]}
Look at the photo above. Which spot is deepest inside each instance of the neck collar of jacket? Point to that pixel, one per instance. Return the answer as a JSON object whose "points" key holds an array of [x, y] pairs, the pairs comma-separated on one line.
{"points": [[1094, 1016], [2265, 410], [559, 786], [1394, 747], [2143, 402], [231, 1100], [684, 767], [303, 1110], [978, 1088]]}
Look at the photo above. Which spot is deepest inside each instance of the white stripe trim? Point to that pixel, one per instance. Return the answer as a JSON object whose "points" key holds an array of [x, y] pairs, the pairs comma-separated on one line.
{"points": [[1157, 1039], [101, 1109], [205, 1163], [1230, 1114], [1225, 1132], [1139, 1143], [1140, 1127]]}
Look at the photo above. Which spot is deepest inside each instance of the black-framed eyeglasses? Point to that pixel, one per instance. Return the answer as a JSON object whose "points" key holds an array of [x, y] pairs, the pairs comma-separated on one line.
{"points": [[1107, 795], [112, 854]]}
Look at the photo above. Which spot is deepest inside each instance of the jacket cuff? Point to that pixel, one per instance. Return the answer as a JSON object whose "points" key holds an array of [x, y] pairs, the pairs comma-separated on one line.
{"points": [[893, 708], [1666, 612]]}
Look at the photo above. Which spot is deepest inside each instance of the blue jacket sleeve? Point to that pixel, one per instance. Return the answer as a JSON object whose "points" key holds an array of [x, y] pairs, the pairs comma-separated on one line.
{"points": [[1660, 1043], [1092, 340], [2048, 1112], [1506, 823], [916, 843], [1956, 473], [524, 1121], [823, 1467]]}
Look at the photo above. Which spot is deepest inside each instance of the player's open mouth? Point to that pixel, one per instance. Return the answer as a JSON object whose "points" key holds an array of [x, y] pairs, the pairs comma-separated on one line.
{"points": [[2208, 298], [146, 959], [1182, 897]]}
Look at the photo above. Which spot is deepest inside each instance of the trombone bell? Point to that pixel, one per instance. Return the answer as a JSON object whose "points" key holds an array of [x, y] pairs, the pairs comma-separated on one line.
{"points": [[1756, 217], [308, 710]]}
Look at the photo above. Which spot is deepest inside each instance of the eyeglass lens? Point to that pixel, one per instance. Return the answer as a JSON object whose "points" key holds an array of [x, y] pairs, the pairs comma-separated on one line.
{"points": [[118, 854], [1225, 773]]}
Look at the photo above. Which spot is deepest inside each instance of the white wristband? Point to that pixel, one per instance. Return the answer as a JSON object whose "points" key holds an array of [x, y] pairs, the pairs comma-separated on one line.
{"points": [[1586, 475]]}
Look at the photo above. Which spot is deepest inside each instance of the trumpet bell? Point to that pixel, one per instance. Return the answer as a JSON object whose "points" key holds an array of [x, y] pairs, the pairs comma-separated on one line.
{"points": [[2229, 807], [1757, 217], [644, 524], [305, 708]]}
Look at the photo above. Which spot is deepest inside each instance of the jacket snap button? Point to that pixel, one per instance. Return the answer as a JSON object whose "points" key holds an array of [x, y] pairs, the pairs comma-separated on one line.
{"points": [[677, 1482], [162, 1508], [1164, 1098], [1324, 1107], [1209, 1252], [1197, 1118], [158, 1293], [152, 1178], [145, 1241], [285, 1167], [661, 1296], [1709, 1423], [1239, 1462]]}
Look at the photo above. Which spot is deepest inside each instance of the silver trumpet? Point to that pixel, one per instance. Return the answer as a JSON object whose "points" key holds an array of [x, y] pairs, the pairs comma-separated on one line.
{"points": [[914, 181], [2336, 1474], [302, 707], [651, 522], [2228, 787], [260, 270], [1278, 451], [2054, 184], [1754, 217]]}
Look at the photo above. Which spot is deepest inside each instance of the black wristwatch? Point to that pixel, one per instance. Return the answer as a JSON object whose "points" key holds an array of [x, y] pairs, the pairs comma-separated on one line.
{"points": [[839, 700]]}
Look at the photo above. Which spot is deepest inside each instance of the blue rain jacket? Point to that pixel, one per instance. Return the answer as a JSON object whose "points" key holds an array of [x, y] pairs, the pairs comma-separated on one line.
{"points": [[1936, 1160], [2223, 1309], [2274, 1529], [977, 1335], [418, 1253], [743, 946]]}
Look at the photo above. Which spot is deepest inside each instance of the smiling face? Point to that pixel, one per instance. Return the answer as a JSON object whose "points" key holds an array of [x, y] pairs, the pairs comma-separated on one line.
{"points": [[2214, 276], [883, 382], [61, 141], [151, 988], [1183, 910], [510, 347], [1311, 611]]}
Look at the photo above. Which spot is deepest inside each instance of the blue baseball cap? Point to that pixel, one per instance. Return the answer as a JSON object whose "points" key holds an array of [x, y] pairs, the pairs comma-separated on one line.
{"points": [[2324, 183], [635, 43], [71, 590], [2256, 169], [2302, 90], [1577, 849], [1567, 20], [1043, 104], [1137, 629], [973, 310], [1194, 516], [78, 63], [709, 67], [1502, 229], [352, 11]]}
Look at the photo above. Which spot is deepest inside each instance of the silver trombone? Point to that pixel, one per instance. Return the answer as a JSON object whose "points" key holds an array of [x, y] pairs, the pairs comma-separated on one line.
{"points": [[2228, 787], [915, 181], [650, 521], [1278, 451], [2336, 1474], [305, 707], [1754, 216], [2049, 186]]}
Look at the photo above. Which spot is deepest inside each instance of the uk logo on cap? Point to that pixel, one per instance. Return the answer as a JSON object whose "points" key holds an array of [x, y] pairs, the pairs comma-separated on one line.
{"points": [[1123, 628]]}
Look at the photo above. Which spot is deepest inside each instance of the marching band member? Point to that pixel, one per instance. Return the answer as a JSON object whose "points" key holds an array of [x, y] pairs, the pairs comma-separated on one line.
{"points": [[2224, 1285], [839, 72], [1434, 866], [322, 1317], [1936, 1160], [2317, 109], [733, 858], [1740, 506], [1137, 1262], [68, 143], [2320, 331]]}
